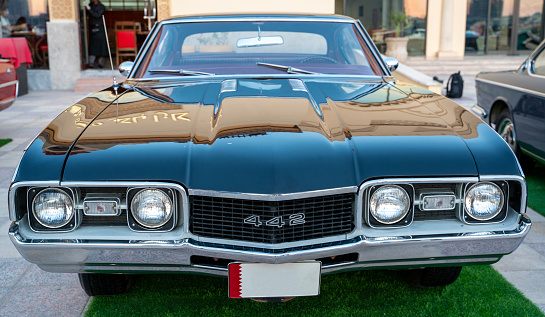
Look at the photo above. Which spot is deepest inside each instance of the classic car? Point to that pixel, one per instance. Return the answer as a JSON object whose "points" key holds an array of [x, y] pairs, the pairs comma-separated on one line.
{"points": [[269, 149], [8, 83], [513, 103]]}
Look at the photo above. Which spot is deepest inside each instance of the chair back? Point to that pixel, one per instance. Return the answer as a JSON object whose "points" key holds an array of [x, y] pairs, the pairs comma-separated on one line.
{"points": [[125, 35]]}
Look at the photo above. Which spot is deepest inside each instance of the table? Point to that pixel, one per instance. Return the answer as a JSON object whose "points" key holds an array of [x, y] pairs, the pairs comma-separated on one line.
{"points": [[16, 49]]}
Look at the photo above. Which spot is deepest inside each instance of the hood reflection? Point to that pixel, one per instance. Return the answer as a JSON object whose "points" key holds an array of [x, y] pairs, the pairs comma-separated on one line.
{"points": [[202, 113]]}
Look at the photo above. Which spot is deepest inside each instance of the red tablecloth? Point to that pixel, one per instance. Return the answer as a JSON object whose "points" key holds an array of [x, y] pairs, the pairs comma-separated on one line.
{"points": [[16, 49]]}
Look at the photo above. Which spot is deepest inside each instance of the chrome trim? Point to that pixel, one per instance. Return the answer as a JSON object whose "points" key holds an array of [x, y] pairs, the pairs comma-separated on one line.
{"points": [[511, 87], [74, 214], [9, 83], [502, 202], [425, 195], [259, 17], [228, 85], [174, 205], [532, 154], [256, 18], [174, 255], [394, 225], [362, 192], [117, 201], [9, 100], [374, 50], [297, 85], [480, 111], [273, 197], [13, 188], [520, 179]]}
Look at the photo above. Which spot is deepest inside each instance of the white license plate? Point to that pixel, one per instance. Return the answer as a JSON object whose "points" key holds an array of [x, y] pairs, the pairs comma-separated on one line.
{"points": [[259, 280]]}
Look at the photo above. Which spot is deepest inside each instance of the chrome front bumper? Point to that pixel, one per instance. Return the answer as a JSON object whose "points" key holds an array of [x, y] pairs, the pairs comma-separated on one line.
{"points": [[175, 255]]}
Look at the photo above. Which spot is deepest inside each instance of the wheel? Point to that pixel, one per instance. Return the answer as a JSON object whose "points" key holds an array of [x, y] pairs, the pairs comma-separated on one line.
{"points": [[432, 276], [506, 129], [95, 284], [323, 58]]}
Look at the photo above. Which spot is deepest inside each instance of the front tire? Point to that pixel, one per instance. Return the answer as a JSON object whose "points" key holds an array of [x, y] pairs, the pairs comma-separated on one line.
{"points": [[95, 284], [433, 276], [506, 129]]}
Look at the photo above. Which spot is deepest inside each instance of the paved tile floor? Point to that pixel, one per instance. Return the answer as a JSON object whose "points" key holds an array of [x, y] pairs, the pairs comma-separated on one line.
{"points": [[26, 290]]}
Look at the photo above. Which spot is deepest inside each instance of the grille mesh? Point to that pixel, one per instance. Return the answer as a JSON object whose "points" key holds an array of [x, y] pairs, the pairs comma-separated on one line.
{"points": [[223, 218]]}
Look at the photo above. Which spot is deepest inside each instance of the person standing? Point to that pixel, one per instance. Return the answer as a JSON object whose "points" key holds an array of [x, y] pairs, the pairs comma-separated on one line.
{"points": [[97, 38]]}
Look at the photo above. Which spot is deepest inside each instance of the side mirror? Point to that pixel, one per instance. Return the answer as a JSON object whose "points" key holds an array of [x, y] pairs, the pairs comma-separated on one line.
{"points": [[391, 62], [126, 67]]}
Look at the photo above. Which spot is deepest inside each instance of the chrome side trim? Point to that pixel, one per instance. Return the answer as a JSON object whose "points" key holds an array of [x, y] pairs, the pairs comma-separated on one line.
{"points": [[532, 154], [13, 188], [9, 83], [532, 92], [273, 197]]}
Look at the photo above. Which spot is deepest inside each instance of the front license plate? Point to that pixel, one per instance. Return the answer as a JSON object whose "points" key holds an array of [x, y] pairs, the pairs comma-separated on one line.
{"points": [[258, 280]]}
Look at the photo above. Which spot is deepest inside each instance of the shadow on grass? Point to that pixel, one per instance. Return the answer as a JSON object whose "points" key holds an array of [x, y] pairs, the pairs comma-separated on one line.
{"points": [[479, 291], [536, 188]]}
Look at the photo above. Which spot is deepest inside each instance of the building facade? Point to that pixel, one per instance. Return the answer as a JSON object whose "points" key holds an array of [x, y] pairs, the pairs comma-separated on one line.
{"points": [[435, 28]]}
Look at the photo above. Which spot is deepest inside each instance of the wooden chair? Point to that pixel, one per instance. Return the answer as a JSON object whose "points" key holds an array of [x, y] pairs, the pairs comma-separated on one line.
{"points": [[125, 34]]}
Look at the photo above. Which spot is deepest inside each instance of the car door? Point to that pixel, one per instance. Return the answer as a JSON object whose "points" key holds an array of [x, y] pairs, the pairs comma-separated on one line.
{"points": [[529, 113]]}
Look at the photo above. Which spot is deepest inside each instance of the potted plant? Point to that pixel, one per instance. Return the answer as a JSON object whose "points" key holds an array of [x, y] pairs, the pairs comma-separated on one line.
{"points": [[397, 46]]}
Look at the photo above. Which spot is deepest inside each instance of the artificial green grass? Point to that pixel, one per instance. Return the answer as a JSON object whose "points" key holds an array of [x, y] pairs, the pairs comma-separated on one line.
{"points": [[536, 188], [4, 141], [479, 291]]}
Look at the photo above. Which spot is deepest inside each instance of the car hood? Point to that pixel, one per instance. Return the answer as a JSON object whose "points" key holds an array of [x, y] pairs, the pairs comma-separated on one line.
{"points": [[275, 136]]}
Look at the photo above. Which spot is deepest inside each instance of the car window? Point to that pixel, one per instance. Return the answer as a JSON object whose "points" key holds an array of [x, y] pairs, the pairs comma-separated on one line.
{"points": [[539, 64], [240, 48]]}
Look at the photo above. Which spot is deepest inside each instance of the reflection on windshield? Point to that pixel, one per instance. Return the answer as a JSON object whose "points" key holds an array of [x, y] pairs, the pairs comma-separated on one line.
{"points": [[226, 48]]}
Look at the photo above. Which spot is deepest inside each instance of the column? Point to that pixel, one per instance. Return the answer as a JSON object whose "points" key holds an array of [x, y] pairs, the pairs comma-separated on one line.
{"points": [[63, 44]]}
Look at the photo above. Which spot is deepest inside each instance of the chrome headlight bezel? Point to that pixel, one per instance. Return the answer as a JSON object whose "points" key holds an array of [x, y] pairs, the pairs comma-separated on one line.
{"points": [[404, 221], [37, 224], [498, 216], [138, 226]]}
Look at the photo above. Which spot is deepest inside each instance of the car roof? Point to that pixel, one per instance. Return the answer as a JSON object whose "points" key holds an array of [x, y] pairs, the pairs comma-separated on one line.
{"points": [[260, 16]]}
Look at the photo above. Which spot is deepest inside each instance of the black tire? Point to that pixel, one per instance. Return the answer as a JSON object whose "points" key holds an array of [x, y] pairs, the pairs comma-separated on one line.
{"points": [[506, 129], [432, 276], [95, 284]]}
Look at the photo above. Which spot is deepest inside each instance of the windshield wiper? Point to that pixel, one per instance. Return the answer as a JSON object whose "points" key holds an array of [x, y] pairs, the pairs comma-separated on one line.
{"points": [[287, 69], [180, 72]]}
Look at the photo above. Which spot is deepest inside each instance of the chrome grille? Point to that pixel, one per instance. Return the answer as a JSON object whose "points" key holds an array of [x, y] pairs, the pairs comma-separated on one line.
{"points": [[223, 218]]}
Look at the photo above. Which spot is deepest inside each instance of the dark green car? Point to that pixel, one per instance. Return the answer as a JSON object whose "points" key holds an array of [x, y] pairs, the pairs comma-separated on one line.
{"points": [[270, 149]]}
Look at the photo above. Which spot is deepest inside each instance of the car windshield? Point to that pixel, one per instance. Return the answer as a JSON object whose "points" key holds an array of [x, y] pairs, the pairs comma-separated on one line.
{"points": [[250, 47]]}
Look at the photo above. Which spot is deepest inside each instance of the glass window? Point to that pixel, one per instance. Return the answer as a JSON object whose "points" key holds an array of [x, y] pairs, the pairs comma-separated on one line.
{"points": [[31, 16], [530, 24], [376, 18], [243, 48], [539, 64]]}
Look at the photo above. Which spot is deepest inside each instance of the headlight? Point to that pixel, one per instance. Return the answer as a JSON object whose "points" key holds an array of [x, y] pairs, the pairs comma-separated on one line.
{"points": [[151, 208], [53, 208], [389, 204], [484, 201]]}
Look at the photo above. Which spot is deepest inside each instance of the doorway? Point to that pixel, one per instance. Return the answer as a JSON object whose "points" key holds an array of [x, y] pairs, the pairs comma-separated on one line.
{"points": [[141, 12]]}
